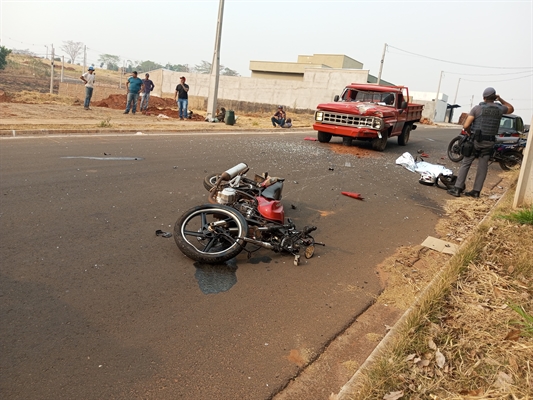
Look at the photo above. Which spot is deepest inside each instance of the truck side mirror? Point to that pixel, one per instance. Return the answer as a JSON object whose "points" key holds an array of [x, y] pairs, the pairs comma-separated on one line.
{"points": [[404, 105], [336, 98]]}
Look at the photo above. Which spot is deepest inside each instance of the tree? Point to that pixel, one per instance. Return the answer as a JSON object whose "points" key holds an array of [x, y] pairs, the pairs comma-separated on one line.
{"points": [[205, 68], [110, 61], [4, 52], [178, 67], [72, 49], [228, 72], [148, 66]]}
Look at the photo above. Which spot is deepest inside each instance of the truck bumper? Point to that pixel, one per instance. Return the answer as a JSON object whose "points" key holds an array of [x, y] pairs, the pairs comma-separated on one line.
{"points": [[335, 130]]}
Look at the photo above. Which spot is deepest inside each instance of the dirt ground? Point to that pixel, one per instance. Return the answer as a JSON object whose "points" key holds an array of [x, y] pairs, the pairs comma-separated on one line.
{"points": [[43, 111]]}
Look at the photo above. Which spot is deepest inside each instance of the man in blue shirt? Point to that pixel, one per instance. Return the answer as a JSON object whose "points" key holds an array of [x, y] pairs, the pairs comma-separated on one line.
{"points": [[134, 85]]}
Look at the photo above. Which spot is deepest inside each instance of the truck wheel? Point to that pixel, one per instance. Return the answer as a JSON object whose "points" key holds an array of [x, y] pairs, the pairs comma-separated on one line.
{"points": [[324, 137], [380, 144], [346, 141], [404, 136]]}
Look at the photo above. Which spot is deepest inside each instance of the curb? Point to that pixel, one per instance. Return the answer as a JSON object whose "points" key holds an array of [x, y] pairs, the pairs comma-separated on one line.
{"points": [[44, 132], [346, 392]]}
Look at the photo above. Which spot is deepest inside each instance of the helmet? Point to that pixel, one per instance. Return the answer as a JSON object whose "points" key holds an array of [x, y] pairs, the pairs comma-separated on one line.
{"points": [[427, 178], [91, 68]]}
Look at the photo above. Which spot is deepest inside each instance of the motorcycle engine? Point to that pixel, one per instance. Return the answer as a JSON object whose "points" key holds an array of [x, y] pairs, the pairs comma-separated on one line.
{"points": [[247, 210], [226, 196]]}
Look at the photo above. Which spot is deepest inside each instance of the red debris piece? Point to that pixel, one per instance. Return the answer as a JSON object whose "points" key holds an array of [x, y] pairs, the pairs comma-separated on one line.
{"points": [[311, 138], [353, 195], [424, 155]]}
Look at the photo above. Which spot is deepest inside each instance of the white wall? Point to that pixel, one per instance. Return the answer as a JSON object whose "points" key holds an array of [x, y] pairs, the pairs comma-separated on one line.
{"points": [[318, 86]]}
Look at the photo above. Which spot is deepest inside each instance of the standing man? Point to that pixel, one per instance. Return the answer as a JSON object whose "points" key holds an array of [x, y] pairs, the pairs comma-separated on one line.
{"points": [[279, 117], [148, 86], [482, 124], [88, 78], [134, 86], [183, 97]]}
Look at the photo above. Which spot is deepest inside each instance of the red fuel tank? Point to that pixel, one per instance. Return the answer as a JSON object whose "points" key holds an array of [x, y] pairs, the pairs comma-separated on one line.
{"points": [[271, 209]]}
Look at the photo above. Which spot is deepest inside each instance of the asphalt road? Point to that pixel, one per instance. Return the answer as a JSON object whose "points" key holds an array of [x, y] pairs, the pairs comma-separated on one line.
{"points": [[94, 305]]}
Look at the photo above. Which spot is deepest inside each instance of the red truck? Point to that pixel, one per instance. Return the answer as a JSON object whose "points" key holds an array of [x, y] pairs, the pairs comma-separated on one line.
{"points": [[368, 112]]}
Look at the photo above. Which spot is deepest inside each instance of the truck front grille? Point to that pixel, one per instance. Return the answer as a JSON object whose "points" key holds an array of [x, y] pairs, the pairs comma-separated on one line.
{"points": [[356, 121]]}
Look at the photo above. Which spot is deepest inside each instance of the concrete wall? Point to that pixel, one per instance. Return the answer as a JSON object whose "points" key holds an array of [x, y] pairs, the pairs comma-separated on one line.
{"points": [[318, 86], [254, 94], [435, 114]]}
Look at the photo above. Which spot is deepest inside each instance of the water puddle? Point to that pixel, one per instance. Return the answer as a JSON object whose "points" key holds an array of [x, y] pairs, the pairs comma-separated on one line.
{"points": [[213, 279], [108, 158]]}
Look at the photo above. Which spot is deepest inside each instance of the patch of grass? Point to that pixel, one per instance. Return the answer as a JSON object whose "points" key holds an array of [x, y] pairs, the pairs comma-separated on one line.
{"points": [[523, 216], [527, 320], [106, 123]]}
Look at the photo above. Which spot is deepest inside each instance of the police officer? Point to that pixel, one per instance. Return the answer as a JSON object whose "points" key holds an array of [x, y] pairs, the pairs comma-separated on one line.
{"points": [[482, 124]]}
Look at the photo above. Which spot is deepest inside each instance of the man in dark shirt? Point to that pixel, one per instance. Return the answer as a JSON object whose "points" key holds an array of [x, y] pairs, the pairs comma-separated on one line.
{"points": [[183, 97], [279, 117], [147, 88]]}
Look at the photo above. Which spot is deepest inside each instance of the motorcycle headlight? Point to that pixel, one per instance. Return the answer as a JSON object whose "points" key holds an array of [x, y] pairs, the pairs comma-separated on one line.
{"points": [[319, 116], [376, 124]]}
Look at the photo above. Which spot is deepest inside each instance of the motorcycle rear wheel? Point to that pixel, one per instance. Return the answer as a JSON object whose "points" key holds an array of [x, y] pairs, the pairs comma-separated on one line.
{"points": [[510, 160], [210, 233], [454, 149]]}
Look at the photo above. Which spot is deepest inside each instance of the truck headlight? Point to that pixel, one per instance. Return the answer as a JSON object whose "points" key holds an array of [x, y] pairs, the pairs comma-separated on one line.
{"points": [[376, 124], [319, 116]]}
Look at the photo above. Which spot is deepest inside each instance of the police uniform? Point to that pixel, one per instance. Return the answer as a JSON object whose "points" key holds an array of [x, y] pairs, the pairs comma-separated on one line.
{"points": [[484, 130]]}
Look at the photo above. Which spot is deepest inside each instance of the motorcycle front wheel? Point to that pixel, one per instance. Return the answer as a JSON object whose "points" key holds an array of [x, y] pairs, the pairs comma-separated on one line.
{"points": [[210, 233], [510, 160], [454, 148]]}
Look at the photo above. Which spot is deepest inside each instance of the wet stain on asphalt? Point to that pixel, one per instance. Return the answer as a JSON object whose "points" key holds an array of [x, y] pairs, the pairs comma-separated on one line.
{"points": [[423, 201], [257, 260], [213, 279]]}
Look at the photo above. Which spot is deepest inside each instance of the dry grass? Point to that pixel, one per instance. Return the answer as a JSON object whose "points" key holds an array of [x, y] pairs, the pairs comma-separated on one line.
{"points": [[464, 339], [41, 98]]}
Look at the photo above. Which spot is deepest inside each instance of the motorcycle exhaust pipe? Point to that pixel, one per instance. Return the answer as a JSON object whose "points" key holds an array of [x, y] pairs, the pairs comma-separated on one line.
{"points": [[258, 243], [233, 172]]}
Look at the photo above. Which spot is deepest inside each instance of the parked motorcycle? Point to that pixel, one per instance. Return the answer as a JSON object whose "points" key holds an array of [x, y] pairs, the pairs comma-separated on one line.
{"points": [[506, 151], [243, 214]]}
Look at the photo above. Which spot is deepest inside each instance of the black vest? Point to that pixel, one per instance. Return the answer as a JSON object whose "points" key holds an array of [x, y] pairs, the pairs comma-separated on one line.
{"points": [[489, 120]]}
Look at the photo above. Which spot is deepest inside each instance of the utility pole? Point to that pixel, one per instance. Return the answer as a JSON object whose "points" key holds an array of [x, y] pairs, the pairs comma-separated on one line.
{"points": [[382, 61], [472, 102], [456, 91], [437, 96], [215, 66], [52, 71], [84, 58], [62, 66]]}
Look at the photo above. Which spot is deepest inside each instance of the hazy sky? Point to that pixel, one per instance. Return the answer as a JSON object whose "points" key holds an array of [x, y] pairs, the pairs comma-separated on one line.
{"points": [[482, 42]]}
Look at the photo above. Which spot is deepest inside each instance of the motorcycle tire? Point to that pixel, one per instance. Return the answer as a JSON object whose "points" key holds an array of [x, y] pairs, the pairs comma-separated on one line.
{"points": [[454, 149], [210, 180], [202, 242], [510, 160]]}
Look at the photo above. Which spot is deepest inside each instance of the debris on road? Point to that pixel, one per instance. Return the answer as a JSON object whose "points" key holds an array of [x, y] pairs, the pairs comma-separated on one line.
{"points": [[353, 195], [310, 138], [159, 232]]}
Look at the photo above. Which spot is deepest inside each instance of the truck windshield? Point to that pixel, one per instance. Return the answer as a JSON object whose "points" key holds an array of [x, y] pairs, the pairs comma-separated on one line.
{"points": [[384, 98]]}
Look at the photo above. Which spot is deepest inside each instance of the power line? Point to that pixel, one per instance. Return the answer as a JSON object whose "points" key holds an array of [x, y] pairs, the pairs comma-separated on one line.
{"points": [[506, 73], [499, 80], [457, 63]]}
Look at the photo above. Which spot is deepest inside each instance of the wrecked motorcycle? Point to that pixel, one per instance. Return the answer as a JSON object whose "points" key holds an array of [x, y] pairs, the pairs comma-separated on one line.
{"points": [[243, 214], [506, 151]]}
